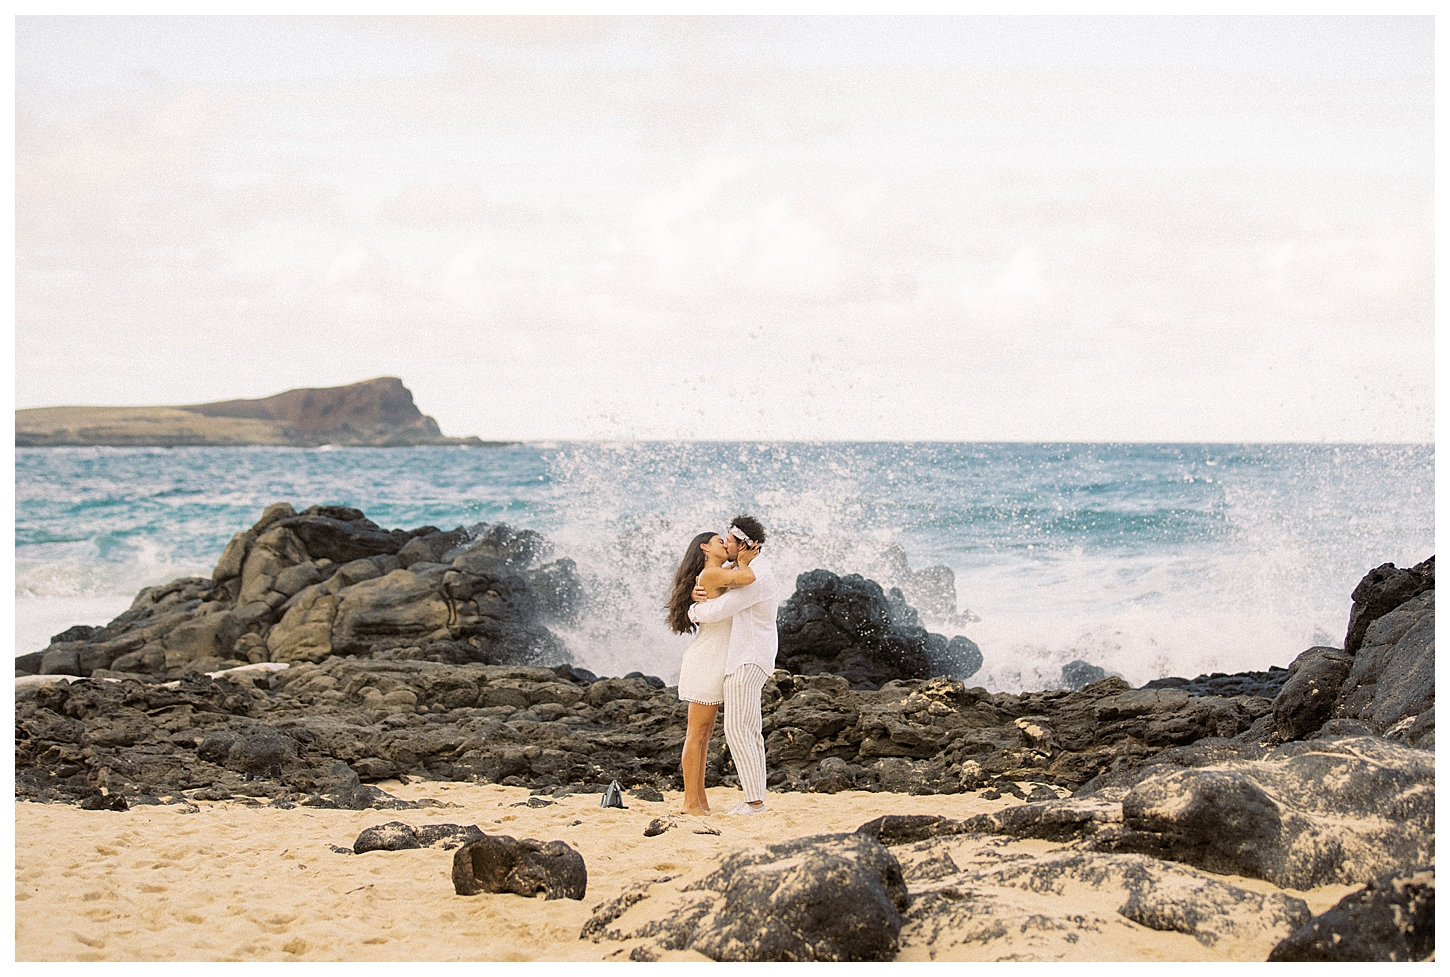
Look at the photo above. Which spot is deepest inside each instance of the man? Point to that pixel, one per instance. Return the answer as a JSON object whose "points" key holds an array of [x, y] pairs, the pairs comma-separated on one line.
{"points": [[750, 659]]}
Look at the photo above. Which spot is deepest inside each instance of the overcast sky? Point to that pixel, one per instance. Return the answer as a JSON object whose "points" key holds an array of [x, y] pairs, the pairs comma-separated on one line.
{"points": [[786, 228]]}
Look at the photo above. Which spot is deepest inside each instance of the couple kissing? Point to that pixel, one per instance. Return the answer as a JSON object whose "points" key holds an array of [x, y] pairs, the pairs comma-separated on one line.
{"points": [[725, 594]]}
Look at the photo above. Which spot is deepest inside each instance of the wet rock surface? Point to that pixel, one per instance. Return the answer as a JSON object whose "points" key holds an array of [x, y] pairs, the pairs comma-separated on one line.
{"points": [[1306, 700], [848, 626], [1381, 591], [1262, 684]]}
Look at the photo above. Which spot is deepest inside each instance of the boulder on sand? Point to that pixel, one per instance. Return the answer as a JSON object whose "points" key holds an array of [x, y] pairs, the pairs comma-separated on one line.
{"points": [[827, 898], [498, 863], [397, 836]]}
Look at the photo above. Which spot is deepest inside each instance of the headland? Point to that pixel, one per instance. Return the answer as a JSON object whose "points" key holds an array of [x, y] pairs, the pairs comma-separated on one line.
{"points": [[377, 413]]}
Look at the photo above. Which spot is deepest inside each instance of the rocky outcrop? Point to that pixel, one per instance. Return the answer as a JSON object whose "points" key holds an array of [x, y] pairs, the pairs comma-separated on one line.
{"points": [[302, 729], [1382, 590], [830, 897], [370, 718], [525, 867], [1391, 919], [951, 897], [1382, 681], [1265, 685], [1391, 684], [1302, 815], [848, 626], [1308, 814], [1067, 904], [300, 587], [1306, 700], [374, 654], [376, 412], [377, 656], [1317, 774], [373, 413], [1357, 810], [822, 898]]}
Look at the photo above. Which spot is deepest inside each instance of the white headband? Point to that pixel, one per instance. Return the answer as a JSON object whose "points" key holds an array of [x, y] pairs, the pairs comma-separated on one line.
{"points": [[740, 535]]}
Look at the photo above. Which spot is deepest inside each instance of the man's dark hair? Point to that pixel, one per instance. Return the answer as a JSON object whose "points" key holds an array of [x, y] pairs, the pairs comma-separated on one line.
{"points": [[750, 526]]}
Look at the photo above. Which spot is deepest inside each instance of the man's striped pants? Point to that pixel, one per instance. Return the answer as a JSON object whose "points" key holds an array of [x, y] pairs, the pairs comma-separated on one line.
{"points": [[742, 728]]}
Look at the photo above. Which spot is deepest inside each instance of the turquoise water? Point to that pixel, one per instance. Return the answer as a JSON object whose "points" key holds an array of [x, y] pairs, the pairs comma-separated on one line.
{"points": [[1146, 559]]}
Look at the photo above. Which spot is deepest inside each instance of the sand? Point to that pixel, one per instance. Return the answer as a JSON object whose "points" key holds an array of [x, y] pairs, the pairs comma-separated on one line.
{"points": [[232, 881]]}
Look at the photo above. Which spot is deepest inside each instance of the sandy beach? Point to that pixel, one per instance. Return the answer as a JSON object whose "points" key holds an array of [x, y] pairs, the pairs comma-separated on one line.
{"points": [[232, 881]]}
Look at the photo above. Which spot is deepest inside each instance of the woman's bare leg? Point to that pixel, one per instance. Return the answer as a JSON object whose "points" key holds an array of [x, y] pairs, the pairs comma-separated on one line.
{"points": [[692, 759]]}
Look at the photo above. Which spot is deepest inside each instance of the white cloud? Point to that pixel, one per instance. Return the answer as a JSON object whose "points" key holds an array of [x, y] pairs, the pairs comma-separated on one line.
{"points": [[350, 259], [1021, 277], [722, 232], [1004, 235]]}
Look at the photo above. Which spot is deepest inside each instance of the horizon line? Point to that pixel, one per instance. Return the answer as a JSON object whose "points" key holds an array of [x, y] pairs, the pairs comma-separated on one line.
{"points": [[512, 442]]}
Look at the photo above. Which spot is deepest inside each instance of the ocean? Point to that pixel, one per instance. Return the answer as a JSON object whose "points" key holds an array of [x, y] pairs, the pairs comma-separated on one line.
{"points": [[1145, 559]]}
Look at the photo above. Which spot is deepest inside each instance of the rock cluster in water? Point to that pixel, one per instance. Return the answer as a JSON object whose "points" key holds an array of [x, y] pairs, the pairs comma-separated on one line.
{"points": [[303, 587], [848, 626], [1322, 772]]}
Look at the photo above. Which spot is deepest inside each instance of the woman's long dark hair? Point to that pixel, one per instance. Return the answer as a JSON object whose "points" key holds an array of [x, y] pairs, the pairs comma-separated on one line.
{"points": [[679, 603]]}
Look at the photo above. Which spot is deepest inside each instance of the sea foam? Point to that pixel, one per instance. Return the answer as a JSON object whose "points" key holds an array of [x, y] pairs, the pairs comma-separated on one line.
{"points": [[1147, 560]]}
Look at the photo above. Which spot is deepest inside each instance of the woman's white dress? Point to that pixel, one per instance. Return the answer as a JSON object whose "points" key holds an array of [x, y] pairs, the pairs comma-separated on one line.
{"points": [[702, 671]]}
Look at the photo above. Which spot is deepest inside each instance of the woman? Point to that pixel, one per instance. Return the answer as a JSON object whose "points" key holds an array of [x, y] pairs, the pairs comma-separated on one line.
{"points": [[702, 671]]}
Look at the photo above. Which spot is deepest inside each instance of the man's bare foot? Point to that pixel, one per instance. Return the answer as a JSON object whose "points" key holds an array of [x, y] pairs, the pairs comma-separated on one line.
{"points": [[697, 811]]}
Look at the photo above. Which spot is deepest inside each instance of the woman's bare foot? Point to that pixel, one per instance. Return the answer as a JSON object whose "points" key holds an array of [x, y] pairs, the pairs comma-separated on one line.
{"points": [[696, 811]]}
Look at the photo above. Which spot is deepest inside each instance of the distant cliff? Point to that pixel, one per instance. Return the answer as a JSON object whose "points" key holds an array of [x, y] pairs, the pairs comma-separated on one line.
{"points": [[376, 413]]}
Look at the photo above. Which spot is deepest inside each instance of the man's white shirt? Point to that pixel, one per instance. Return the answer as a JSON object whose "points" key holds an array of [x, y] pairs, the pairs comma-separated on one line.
{"points": [[753, 638]]}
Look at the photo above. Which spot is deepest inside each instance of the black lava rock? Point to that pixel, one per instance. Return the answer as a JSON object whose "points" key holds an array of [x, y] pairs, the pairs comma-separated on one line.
{"points": [[849, 626], [105, 802], [393, 836], [214, 747], [1382, 590], [1308, 696], [446, 836], [1392, 918], [260, 753], [498, 863], [828, 897], [1076, 674], [80, 632], [1265, 684]]}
